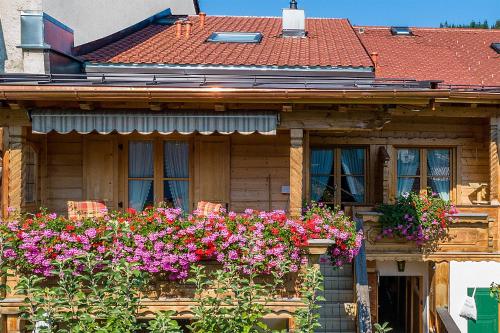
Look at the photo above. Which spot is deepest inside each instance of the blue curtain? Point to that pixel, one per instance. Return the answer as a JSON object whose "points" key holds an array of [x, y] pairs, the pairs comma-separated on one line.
{"points": [[176, 164], [353, 163], [321, 168], [438, 171], [140, 165], [408, 163]]}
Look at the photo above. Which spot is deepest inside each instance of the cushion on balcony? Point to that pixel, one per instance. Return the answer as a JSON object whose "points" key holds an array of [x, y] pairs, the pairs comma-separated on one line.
{"points": [[205, 208], [78, 210]]}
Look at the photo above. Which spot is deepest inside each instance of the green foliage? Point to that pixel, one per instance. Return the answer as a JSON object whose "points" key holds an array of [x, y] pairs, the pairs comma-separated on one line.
{"points": [[307, 318], [231, 301], [382, 328], [472, 25], [495, 291], [99, 298], [163, 323]]}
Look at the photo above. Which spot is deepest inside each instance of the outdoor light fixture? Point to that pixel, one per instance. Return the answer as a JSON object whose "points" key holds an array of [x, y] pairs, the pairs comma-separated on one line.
{"points": [[401, 265]]}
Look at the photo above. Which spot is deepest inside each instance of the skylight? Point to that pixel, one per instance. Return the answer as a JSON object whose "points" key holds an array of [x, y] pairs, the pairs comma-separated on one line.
{"points": [[496, 47], [401, 31], [235, 37]]}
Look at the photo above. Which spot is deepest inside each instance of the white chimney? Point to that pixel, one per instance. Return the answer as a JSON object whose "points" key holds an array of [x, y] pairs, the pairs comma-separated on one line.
{"points": [[294, 21]]}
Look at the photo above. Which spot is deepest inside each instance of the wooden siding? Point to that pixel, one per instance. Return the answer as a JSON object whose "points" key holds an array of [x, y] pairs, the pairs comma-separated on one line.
{"points": [[259, 168], [468, 137], [64, 171]]}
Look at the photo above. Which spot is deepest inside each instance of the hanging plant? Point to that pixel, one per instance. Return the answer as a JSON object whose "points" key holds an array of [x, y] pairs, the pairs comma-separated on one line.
{"points": [[423, 219], [323, 222]]}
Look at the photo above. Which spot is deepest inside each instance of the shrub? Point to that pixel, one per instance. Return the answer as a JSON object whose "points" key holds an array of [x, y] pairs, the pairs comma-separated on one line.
{"points": [[424, 219]]}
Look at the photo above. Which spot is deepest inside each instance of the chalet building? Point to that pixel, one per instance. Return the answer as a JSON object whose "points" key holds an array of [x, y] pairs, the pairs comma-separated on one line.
{"points": [[268, 113]]}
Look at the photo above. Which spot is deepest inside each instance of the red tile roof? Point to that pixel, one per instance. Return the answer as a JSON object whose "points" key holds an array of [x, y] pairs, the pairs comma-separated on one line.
{"points": [[330, 42], [456, 56]]}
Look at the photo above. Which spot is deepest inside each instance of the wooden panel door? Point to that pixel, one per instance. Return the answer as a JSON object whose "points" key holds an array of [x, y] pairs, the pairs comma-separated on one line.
{"points": [[212, 165], [99, 170], [487, 312]]}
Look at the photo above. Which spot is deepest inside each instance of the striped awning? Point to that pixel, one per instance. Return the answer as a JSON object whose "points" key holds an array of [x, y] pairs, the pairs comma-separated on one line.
{"points": [[163, 122]]}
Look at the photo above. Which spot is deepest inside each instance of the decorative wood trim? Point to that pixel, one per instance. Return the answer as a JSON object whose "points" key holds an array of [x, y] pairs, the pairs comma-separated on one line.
{"points": [[494, 161], [296, 171]]}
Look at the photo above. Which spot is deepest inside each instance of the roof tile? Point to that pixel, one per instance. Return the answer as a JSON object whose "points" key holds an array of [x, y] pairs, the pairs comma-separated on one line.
{"points": [[455, 56], [330, 42]]}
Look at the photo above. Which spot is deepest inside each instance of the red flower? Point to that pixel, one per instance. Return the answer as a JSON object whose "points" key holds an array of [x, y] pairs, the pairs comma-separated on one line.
{"points": [[70, 227], [275, 231], [131, 211]]}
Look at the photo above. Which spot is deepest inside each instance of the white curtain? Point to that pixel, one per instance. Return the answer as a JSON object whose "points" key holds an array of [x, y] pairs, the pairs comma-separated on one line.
{"points": [[140, 165], [176, 164], [408, 163], [353, 163], [438, 170], [321, 168]]}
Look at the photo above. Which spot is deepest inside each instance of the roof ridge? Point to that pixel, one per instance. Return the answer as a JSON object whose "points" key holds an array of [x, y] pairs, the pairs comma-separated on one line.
{"points": [[381, 27]]}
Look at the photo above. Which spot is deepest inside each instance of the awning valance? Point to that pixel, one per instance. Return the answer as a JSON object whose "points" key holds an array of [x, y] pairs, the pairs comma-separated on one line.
{"points": [[164, 122]]}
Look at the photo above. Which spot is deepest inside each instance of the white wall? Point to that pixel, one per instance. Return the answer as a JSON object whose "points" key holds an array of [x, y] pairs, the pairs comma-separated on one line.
{"points": [[390, 268], [94, 19], [10, 11], [465, 275], [90, 20]]}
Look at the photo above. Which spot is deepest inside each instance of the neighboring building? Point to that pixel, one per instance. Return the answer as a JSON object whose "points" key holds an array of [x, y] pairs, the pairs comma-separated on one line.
{"points": [[274, 112], [88, 25]]}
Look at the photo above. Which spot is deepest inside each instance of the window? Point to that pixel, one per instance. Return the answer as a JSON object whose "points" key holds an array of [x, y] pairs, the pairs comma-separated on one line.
{"points": [[30, 186], [143, 179], [235, 37], [401, 31], [421, 168], [496, 47], [338, 175]]}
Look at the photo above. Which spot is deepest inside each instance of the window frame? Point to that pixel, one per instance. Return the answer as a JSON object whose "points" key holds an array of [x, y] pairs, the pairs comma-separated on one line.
{"points": [[32, 147], [423, 175], [158, 167], [337, 175]]}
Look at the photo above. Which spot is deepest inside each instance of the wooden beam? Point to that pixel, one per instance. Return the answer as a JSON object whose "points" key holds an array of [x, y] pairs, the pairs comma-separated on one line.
{"points": [[494, 161], [296, 171], [87, 106], [16, 168], [220, 107], [287, 108]]}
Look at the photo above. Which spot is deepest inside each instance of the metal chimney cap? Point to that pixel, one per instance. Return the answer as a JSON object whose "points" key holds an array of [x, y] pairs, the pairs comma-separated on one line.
{"points": [[293, 4]]}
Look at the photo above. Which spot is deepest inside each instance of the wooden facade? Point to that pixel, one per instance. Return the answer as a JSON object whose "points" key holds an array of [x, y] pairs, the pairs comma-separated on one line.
{"points": [[267, 172]]}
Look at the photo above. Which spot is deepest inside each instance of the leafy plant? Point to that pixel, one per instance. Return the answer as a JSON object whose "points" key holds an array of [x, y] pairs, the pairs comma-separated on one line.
{"points": [[163, 323], [495, 291], [231, 301], [424, 219], [307, 318], [382, 328]]}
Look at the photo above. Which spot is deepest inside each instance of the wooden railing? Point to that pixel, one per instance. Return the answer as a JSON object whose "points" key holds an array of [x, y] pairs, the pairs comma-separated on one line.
{"points": [[445, 323]]}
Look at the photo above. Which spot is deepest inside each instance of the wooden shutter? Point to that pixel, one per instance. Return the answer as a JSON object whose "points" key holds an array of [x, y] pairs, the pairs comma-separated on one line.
{"points": [[212, 165], [99, 172]]}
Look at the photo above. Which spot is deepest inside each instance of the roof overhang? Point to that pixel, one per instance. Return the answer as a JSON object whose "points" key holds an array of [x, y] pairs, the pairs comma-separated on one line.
{"points": [[9, 93]]}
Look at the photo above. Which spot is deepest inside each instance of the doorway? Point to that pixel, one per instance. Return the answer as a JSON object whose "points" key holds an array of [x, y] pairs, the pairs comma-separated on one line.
{"points": [[400, 303]]}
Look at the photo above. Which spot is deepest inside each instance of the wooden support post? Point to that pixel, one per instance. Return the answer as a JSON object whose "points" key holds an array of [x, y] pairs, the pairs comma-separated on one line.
{"points": [[14, 168], [441, 283], [296, 171], [14, 324], [494, 161]]}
